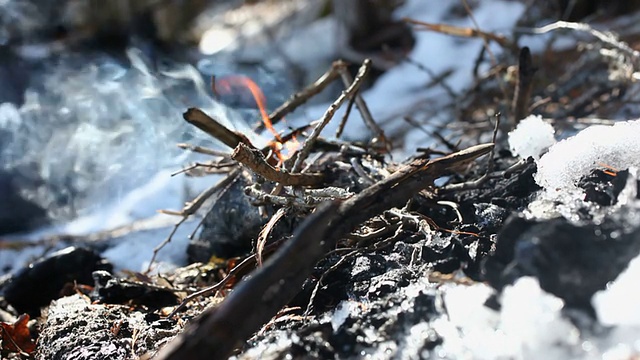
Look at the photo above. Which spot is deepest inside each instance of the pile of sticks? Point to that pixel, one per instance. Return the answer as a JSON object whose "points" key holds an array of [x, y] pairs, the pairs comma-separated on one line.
{"points": [[333, 213]]}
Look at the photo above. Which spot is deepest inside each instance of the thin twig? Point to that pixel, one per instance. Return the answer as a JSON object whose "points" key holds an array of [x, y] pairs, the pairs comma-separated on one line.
{"points": [[305, 94], [308, 144], [235, 272], [485, 40], [254, 160], [443, 140], [606, 37], [196, 165], [329, 192], [436, 79], [357, 167], [345, 117], [494, 137], [264, 233], [164, 243], [474, 184], [305, 201], [192, 206], [203, 150], [189, 209], [347, 79], [462, 32]]}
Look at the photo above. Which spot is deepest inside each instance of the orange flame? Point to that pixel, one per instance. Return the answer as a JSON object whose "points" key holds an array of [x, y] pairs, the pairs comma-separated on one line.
{"points": [[245, 82]]}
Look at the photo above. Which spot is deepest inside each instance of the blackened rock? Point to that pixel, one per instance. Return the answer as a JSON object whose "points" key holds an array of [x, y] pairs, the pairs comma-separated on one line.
{"points": [[570, 261], [603, 188], [110, 290], [229, 227], [492, 203], [512, 192], [34, 286], [74, 328]]}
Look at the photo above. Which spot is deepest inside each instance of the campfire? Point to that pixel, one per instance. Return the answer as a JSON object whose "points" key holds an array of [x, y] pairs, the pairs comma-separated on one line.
{"points": [[455, 182]]}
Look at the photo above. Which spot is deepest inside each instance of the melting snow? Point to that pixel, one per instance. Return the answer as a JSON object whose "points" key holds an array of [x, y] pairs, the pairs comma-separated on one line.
{"points": [[531, 137], [617, 305], [529, 325], [597, 146]]}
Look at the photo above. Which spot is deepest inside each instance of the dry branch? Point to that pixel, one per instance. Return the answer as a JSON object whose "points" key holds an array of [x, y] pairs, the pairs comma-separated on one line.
{"points": [[206, 123], [305, 94], [308, 144], [608, 38], [462, 32], [189, 209], [347, 79], [218, 331], [254, 160], [202, 150]]}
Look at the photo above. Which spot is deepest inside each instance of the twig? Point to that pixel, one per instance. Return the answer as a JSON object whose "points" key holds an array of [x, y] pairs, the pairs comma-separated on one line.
{"points": [[524, 85], [462, 32], [243, 265], [203, 150], [485, 177], [384, 230], [343, 147], [494, 137], [347, 79], [345, 117], [192, 206], [189, 209], [164, 243], [436, 79], [206, 123], [305, 201], [211, 165], [329, 192], [254, 160], [485, 41], [294, 133], [215, 333], [264, 233], [606, 37], [443, 140], [305, 94], [357, 167], [308, 144], [516, 167]]}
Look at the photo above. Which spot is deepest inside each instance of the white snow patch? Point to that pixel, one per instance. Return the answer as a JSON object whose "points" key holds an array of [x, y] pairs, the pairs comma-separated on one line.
{"points": [[618, 304], [532, 319], [531, 137], [342, 312], [616, 146], [529, 325]]}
